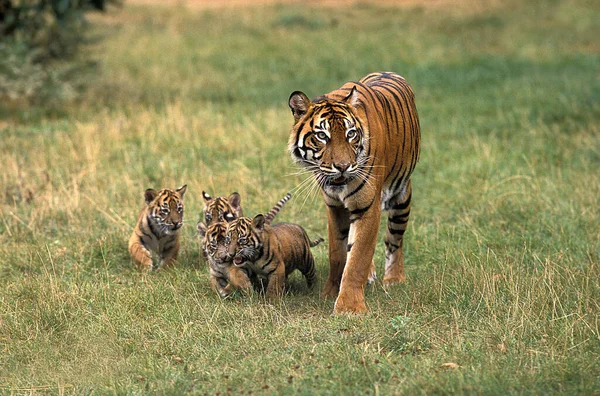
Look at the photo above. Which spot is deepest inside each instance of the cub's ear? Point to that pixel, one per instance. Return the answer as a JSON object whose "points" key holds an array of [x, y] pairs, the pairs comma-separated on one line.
{"points": [[181, 191], [149, 195], [235, 200], [258, 222], [352, 98], [299, 104], [206, 197], [201, 227]]}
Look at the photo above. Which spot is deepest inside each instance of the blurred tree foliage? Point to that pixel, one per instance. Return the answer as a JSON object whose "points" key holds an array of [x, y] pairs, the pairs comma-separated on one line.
{"points": [[39, 41]]}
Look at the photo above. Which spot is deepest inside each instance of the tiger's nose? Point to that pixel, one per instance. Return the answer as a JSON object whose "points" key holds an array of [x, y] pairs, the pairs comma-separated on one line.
{"points": [[342, 166]]}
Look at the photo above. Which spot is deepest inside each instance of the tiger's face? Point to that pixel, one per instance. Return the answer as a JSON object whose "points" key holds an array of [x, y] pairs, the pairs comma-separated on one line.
{"points": [[244, 239], [165, 208], [213, 242], [328, 139], [221, 209]]}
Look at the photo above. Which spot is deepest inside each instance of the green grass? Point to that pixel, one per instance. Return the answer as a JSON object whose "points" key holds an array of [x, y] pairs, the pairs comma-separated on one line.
{"points": [[502, 251]]}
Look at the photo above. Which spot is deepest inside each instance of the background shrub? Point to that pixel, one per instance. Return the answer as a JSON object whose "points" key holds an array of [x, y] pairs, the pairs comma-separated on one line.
{"points": [[39, 44]]}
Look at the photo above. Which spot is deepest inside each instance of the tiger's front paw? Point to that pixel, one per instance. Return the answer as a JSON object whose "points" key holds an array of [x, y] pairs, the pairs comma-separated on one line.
{"points": [[330, 290], [350, 302], [393, 280], [145, 265]]}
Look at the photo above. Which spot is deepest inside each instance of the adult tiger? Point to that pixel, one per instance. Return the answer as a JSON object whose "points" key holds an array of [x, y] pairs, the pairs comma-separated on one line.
{"points": [[362, 143]]}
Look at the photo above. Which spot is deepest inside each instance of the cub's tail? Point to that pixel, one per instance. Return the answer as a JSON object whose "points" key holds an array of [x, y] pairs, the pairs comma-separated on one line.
{"points": [[316, 242], [275, 209]]}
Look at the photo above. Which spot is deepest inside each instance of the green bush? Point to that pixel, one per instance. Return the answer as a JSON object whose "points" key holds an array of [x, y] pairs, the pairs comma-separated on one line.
{"points": [[39, 43]]}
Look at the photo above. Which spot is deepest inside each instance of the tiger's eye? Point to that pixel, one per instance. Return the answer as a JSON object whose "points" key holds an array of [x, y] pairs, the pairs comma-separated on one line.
{"points": [[351, 133], [322, 135]]}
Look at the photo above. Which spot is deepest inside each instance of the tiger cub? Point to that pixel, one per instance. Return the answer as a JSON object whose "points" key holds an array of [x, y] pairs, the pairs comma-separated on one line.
{"points": [[157, 228], [271, 252], [223, 275], [222, 208]]}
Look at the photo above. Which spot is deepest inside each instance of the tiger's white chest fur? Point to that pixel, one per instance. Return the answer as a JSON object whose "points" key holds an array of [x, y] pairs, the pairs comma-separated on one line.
{"points": [[387, 194]]}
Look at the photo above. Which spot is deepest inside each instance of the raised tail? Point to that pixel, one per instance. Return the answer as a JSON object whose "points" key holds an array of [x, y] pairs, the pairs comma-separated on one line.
{"points": [[273, 212], [316, 242]]}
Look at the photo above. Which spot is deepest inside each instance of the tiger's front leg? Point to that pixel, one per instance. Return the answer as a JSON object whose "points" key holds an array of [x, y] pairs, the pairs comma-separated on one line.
{"points": [[139, 253], [361, 248], [170, 253], [338, 226], [239, 279], [220, 285]]}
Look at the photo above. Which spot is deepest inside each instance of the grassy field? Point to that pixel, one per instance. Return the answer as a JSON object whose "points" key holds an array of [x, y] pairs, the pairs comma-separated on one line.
{"points": [[502, 251]]}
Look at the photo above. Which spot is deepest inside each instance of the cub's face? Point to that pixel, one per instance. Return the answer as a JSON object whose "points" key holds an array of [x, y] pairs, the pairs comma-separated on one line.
{"points": [[244, 239], [166, 208], [328, 139], [221, 209], [213, 242]]}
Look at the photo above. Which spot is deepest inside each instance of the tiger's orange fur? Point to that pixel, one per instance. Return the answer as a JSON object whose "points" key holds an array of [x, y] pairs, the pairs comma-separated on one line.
{"points": [[362, 142]]}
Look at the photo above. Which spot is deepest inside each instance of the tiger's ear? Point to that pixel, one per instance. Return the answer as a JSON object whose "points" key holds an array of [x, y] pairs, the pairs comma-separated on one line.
{"points": [[149, 195], [206, 197], [299, 104], [235, 200], [352, 98], [181, 191], [201, 227], [258, 222]]}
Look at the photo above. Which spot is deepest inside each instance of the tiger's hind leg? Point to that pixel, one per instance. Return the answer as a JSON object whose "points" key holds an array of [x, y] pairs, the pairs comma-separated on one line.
{"points": [[309, 271], [397, 222]]}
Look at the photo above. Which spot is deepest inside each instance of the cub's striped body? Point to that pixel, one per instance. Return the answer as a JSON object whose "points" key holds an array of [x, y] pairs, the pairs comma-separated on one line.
{"points": [[362, 142], [224, 276], [157, 228], [271, 252]]}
